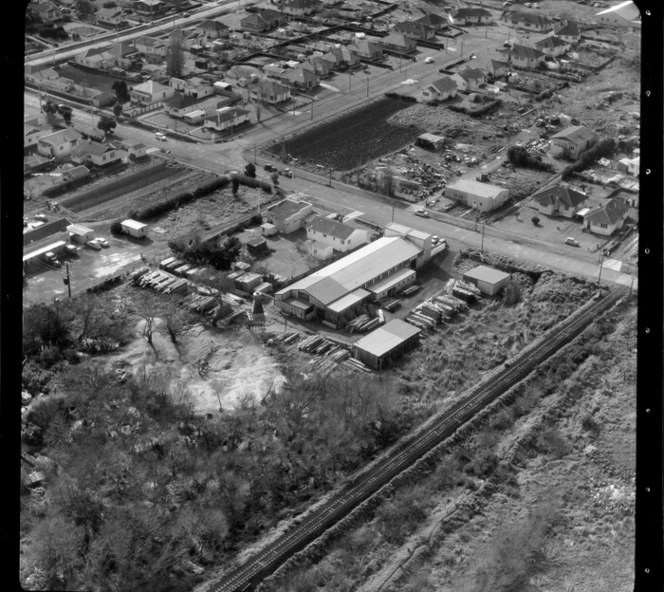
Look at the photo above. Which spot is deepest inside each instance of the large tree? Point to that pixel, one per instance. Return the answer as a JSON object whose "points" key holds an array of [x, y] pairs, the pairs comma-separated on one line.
{"points": [[121, 91], [107, 124], [175, 55]]}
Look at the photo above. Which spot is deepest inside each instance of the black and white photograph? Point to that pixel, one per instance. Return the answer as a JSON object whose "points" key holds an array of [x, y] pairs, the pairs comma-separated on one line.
{"points": [[337, 296]]}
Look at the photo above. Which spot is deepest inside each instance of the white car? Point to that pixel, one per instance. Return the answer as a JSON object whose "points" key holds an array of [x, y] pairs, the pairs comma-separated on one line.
{"points": [[435, 239], [422, 213], [160, 136], [103, 242], [428, 60], [93, 244]]}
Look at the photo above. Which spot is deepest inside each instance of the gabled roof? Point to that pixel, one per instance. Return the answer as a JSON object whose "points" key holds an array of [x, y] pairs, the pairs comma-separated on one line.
{"points": [[366, 45], [561, 194], [270, 87], [571, 28], [525, 52], [613, 211], [301, 75], [180, 101], [574, 133], [78, 172], [432, 20], [469, 12], [211, 25], [93, 148], [302, 4], [398, 39], [149, 41], [444, 84], [413, 27], [529, 18], [331, 227], [472, 74], [150, 87], [61, 136], [550, 42], [287, 208], [627, 10]]}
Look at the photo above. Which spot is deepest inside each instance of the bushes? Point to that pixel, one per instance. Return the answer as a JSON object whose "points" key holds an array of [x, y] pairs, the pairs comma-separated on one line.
{"points": [[603, 149], [520, 157], [488, 107], [220, 256], [116, 227]]}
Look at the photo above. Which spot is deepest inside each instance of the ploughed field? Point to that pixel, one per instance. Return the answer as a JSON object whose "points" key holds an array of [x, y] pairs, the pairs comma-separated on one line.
{"points": [[354, 139]]}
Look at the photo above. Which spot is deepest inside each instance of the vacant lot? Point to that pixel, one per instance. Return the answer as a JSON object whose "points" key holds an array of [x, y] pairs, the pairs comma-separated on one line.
{"points": [[354, 139]]}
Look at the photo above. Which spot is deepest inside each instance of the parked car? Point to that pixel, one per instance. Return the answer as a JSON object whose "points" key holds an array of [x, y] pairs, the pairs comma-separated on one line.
{"points": [[52, 259], [160, 136], [270, 168], [71, 249], [428, 60], [103, 242], [435, 239], [571, 241], [40, 217], [422, 213], [287, 173], [93, 244]]}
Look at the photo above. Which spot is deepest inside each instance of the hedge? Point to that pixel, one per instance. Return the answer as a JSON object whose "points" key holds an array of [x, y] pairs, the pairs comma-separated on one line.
{"points": [[603, 149]]}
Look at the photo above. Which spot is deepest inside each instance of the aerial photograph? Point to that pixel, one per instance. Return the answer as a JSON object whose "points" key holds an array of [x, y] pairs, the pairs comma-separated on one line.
{"points": [[330, 295]]}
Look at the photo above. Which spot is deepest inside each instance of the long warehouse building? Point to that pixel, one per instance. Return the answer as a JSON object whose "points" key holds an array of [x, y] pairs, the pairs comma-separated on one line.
{"points": [[338, 291]]}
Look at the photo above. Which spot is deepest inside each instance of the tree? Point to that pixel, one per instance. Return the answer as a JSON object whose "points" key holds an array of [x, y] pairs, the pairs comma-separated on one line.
{"points": [[121, 91], [66, 115], [43, 325], [107, 124], [235, 184], [50, 109], [117, 110], [250, 170], [85, 7], [275, 178], [175, 55], [535, 220]]}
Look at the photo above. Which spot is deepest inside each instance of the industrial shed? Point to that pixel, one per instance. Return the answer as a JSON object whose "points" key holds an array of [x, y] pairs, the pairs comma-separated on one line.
{"points": [[430, 141], [134, 228], [80, 234], [490, 281], [482, 196], [386, 343]]}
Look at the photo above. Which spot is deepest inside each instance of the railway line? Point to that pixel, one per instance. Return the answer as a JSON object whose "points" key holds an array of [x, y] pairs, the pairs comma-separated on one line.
{"points": [[406, 453]]}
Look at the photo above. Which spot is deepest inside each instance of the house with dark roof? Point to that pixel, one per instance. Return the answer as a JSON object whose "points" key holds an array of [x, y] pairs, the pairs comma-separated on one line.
{"points": [[415, 30], [76, 173], [568, 32], [528, 20], [492, 67], [213, 29], [263, 21], [112, 17], [300, 78], [300, 7], [270, 92], [434, 21], [31, 135], [607, 218], [469, 79], [439, 90], [399, 43], [289, 214], [149, 7], [329, 237], [572, 141], [470, 16], [319, 66], [88, 152], [180, 105], [151, 46], [366, 49], [559, 200], [551, 45], [522, 56]]}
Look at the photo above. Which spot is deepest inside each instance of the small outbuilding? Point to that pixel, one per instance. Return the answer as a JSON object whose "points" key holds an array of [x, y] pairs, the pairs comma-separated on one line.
{"points": [[257, 245], [268, 229], [134, 228], [430, 141], [80, 234], [386, 343], [489, 280]]}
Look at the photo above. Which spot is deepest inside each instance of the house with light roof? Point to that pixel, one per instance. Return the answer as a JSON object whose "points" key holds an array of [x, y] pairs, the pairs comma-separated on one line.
{"points": [[99, 154], [625, 14], [572, 141], [329, 237], [150, 92], [399, 43], [439, 90], [270, 92], [559, 200], [469, 79]]}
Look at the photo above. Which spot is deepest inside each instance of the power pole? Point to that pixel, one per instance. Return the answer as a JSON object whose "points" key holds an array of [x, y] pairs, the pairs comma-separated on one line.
{"points": [[312, 108], [601, 261], [482, 247], [67, 280], [349, 81], [392, 212], [367, 79]]}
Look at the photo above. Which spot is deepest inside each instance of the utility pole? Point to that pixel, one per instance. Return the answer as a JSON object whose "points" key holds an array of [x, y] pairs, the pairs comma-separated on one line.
{"points": [[254, 154], [312, 108], [601, 261], [330, 176], [349, 81], [462, 47], [482, 247], [67, 280], [393, 212], [367, 79]]}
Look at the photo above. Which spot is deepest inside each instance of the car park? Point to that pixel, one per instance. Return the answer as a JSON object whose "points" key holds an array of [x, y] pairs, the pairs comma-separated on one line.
{"points": [[103, 242], [93, 244]]}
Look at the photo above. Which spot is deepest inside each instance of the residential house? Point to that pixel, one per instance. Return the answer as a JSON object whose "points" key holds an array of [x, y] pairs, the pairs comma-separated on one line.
{"points": [[480, 196], [522, 56], [275, 70], [318, 66], [76, 173], [625, 14], [227, 118], [137, 150], [188, 38], [112, 17], [367, 49], [214, 29], [46, 12], [607, 218], [149, 7], [301, 79], [98, 58], [470, 16], [270, 92], [572, 141], [330, 237], [415, 30], [150, 92], [439, 90], [151, 46], [569, 32], [494, 68], [630, 165], [193, 87], [434, 21], [528, 20], [122, 51], [263, 21], [180, 105], [399, 43], [552, 45], [58, 144], [97, 153], [289, 214], [38, 76], [31, 135], [559, 200], [300, 7], [469, 79]]}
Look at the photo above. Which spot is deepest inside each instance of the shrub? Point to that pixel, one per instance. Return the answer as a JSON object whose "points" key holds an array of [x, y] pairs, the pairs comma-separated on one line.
{"points": [[116, 227], [520, 157], [535, 220]]}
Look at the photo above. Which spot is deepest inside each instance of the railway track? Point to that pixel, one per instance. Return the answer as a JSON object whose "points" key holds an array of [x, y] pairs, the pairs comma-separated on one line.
{"points": [[406, 453]]}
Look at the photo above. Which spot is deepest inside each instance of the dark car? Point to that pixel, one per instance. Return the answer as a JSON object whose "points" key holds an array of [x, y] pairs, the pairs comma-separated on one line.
{"points": [[270, 168]]}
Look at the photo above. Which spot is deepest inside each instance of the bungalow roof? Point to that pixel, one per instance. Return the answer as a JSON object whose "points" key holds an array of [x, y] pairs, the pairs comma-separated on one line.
{"points": [[561, 194], [613, 211], [331, 227], [574, 133]]}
